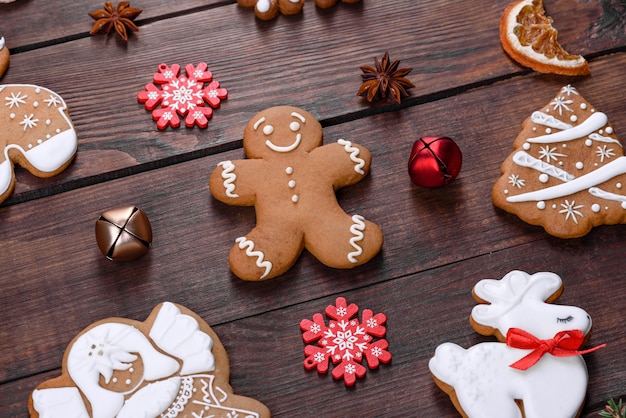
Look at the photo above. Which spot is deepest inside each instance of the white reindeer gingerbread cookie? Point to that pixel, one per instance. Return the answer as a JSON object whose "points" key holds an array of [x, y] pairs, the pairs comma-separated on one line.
{"points": [[291, 179], [536, 370], [568, 170], [172, 365], [37, 133]]}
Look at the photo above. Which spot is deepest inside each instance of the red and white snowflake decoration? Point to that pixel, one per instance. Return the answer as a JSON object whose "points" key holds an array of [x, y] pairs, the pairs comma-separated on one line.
{"points": [[345, 341], [182, 95]]}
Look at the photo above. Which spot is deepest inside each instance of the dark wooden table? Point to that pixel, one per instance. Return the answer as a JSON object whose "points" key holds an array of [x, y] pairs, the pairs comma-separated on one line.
{"points": [[438, 242]]}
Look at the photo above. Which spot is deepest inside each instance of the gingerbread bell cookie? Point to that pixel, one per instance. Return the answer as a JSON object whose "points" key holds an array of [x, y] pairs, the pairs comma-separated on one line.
{"points": [[568, 170], [37, 133], [290, 179], [536, 368], [171, 365], [4, 57]]}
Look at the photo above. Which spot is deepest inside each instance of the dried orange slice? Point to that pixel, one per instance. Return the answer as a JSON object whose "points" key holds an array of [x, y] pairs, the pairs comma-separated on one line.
{"points": [[527, 35]]}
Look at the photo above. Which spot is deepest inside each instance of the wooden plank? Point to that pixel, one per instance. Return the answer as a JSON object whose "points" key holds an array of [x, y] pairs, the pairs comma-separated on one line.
{"points": [[438, 243], [36, 23], [273, 65], [193, 232], [423, 311]]}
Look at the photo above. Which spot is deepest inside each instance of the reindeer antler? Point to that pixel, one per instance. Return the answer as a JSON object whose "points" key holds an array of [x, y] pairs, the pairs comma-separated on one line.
{"points": [[499, 296]]}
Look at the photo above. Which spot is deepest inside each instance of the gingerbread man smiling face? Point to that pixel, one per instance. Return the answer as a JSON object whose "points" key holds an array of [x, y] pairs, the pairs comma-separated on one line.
{"points": [[290, 179]]}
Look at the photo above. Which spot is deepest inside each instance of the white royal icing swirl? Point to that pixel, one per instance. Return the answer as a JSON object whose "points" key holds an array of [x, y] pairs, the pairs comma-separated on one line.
{"points": [[1, 43], [592, 123], [602, 174], [524, 159], [354, 155], [152, 399], [180, 336], [600, 138], [250, 252], [286, 148], [544, 119], [229, 178], [357, 231], [57, 402], [603, 194]]}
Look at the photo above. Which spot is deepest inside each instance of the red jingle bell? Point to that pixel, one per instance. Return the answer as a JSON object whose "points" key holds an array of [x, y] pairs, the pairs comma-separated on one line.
{"points": [[435, 161]]}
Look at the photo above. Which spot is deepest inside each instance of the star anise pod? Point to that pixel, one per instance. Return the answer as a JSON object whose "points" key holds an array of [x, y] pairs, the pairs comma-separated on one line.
{"points": [[118, 18], [385, 79]]}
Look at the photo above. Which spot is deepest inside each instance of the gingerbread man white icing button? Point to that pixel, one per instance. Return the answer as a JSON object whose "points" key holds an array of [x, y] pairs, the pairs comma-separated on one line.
{"points": [[287, 140]]}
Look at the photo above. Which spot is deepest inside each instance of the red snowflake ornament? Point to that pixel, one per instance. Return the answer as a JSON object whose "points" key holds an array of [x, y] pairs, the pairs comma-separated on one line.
{"points": [[182, 95], [345, 341]]}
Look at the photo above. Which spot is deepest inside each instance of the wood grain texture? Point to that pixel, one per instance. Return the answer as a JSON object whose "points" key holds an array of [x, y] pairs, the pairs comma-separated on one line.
{"points": [[118, 137], [438, 242]]}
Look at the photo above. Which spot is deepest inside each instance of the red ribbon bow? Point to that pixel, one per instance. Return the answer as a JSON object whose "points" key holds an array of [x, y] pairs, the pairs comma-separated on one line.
{"points": [[564, 344]]}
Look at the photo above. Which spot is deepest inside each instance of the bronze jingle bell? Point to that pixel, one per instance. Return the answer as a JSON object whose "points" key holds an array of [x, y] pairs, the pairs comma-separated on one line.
{"points": [[123, 233]]}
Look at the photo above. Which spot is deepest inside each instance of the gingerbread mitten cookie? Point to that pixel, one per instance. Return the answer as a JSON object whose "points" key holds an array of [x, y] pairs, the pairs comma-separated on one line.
{"points": [[171, 365], [4, 57], [568, 170], [37, 133], [536, 369], [291, 180]]}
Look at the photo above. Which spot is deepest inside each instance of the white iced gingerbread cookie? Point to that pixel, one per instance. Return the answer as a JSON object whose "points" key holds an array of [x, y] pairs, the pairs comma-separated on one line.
{"points": [[537, 371], [568, 170], [37, 133], [172, 365], [291, 179], [4, 57]]}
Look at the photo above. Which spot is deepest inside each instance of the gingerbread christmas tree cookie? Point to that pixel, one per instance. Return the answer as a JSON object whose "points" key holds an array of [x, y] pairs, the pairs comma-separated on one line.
{"points": [[568, 170]]}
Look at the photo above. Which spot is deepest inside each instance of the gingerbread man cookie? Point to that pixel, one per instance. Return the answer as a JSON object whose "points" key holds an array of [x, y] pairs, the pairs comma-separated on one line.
{"points": [[4, 57], [291, 180], [172, 365], [536, 369], [37, 133]]}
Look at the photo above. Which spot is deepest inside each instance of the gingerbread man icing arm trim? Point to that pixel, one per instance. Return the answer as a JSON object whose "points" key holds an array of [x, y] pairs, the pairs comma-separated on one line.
{"points": [[356, 230], [245, 244], [228, 184], [350, 162], [354, 152]]}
